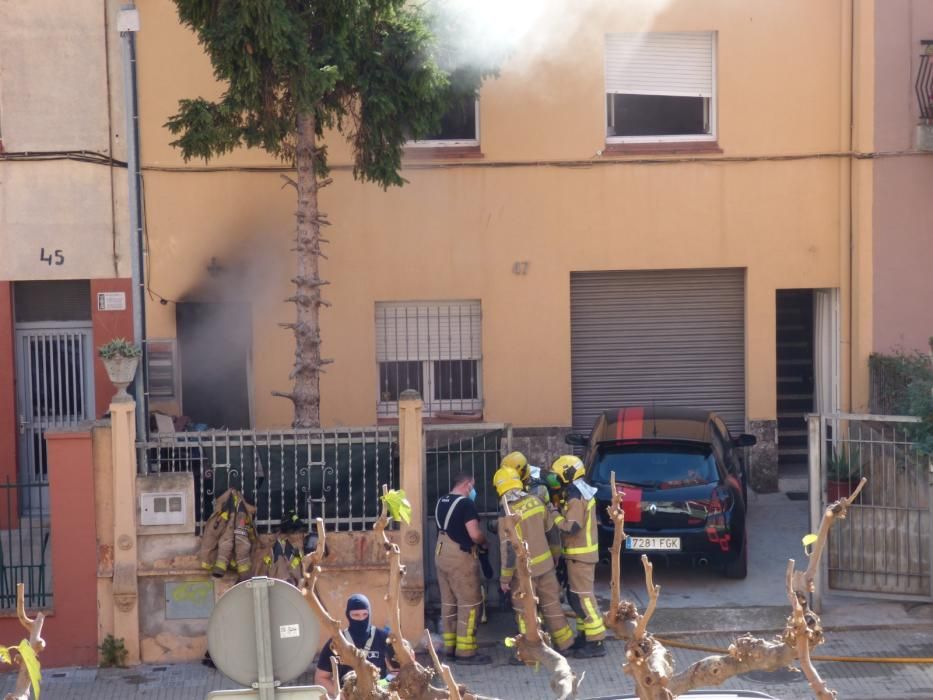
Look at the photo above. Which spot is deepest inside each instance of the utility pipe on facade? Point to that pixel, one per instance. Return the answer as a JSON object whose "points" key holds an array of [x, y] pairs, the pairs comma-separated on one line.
{"points": [[128, 25]]}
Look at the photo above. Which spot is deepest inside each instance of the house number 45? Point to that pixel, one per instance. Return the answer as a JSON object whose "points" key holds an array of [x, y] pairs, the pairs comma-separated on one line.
{"points": [[59, 258]]}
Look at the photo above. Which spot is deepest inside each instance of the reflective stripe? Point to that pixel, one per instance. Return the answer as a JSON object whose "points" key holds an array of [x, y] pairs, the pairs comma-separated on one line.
{"points": [[559, 519], [471, 625], [506, 573], [540, 558], [563, 634], [596, 626], [531, 511], [587, 521]]}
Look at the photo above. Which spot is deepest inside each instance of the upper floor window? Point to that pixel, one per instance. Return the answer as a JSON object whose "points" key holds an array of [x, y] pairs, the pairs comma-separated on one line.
{"points": [[660, 86], [434, 347], [459, 126]]}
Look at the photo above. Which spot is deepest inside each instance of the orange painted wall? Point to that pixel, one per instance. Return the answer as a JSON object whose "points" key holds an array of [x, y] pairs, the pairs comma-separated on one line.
{"points": [[7, 404], [72, 631], [108, 325]]}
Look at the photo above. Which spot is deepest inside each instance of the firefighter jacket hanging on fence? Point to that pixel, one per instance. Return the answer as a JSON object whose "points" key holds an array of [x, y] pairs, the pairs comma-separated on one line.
{"points": [[282, 561], [228, 535]]}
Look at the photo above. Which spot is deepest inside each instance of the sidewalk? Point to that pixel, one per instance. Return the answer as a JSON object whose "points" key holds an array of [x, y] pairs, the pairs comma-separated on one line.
{"points": [[852, 681]]}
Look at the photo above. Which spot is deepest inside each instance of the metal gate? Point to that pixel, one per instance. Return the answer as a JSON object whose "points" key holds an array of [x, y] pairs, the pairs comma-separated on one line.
{"points": [[883, 546], [475, 448], [658, 337], [54, 389]]}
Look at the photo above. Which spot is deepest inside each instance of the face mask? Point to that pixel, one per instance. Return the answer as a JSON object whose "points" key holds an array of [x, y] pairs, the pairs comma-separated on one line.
{"points": [[359, 631], [473, 494]]}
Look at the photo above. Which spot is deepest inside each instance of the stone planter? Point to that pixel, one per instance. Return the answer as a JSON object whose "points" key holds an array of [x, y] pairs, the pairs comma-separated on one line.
{"points": [[121, 371]]}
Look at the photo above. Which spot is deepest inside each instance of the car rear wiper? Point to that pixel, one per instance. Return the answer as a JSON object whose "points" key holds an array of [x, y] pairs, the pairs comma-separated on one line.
{"points": [[637, 484]]}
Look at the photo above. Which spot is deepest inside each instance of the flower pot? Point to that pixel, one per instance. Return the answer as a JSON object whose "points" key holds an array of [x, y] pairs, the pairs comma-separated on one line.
{"points": [[121, 371], [838, 489]]}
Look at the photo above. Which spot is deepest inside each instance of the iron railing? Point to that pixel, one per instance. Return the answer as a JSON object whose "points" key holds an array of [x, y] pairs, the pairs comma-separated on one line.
{"points": [[884, 544], [335, 474], [25, 556]]}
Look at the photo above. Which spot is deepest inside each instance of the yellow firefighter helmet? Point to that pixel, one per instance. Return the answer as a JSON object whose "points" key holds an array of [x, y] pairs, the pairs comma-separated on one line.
{"points": [[518, 462], [567, 468], [505, 479]]}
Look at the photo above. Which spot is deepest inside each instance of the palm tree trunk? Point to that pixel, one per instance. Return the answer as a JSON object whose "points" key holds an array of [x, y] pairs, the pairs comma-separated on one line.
{"points": [[306, 374]]}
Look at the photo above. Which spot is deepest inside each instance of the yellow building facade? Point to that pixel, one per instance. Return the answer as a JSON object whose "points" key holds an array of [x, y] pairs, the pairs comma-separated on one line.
{"points": [[769, 193]]}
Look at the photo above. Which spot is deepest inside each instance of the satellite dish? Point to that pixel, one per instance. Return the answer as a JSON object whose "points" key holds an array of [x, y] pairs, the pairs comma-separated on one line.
{"points": [[262, 629]]}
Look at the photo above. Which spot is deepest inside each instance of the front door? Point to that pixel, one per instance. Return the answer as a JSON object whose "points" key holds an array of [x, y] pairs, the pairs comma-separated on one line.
{"points": [[54, 389]]}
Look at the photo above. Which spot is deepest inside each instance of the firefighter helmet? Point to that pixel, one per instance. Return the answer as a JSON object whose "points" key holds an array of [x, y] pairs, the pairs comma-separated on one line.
{"points": [[518, 462], [505, 479], [568, 468]]}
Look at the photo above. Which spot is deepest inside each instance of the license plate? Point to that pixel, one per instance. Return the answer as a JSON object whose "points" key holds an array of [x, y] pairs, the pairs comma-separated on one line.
{"points": [[651, 543]]}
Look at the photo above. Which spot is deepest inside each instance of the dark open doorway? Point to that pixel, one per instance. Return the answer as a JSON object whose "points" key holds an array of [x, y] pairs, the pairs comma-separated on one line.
{"points": [[795, 377], [214, 342]]}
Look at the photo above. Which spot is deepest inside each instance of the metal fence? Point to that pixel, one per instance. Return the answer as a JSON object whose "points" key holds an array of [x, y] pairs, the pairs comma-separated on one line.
{"points": [[883, 545], [25, 556], [475, 448], [335, 474]]}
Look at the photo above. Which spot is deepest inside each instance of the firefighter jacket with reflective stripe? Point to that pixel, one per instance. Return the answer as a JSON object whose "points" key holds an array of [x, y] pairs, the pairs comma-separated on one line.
{"points": [[281, 561], [531, 529], [577, 524], [228, 535]]}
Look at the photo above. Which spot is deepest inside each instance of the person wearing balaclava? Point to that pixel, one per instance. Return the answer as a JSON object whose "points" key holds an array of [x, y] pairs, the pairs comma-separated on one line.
{"points": [[373, 640]]}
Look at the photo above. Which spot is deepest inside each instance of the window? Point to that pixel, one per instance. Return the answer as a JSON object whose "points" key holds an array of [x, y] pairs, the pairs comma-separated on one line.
{"points": [[459, 126], [434, 348], [660, 86], [162, 366]]}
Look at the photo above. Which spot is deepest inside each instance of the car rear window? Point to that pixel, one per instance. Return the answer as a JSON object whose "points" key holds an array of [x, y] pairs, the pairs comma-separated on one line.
{"points": [[652, 466]]}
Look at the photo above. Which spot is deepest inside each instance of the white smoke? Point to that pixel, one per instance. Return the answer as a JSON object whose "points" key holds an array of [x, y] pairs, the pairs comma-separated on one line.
{"points": [[519, 34]]}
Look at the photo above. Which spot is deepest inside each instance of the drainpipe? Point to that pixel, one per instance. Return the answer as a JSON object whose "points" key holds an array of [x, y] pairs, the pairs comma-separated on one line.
{"points": [[128, 25]]}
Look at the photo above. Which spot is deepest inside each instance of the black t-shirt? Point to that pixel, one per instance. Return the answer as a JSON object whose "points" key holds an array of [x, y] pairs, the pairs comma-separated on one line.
{"points": [[379, 651], [463, 512]]}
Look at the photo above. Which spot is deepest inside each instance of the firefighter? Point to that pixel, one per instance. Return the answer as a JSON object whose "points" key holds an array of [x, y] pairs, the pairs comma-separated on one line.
{"points": [[535, 483], [576, 519], [531, 530], [459, 541]]}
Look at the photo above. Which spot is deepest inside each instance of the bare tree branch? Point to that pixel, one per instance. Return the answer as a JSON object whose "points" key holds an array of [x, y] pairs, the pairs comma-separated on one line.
{"points": [[442, 669], [532, 646], [23, 688], [364, 686], [617, 516]]}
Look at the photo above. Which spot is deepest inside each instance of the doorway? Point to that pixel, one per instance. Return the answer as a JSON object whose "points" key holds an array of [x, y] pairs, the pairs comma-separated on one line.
{"points": [[54, 372], [795, 378], [214, 346]]}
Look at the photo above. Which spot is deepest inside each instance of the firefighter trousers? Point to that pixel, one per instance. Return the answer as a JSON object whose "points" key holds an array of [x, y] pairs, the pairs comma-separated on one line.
{"points": [[234, 547], [547, 591], [458, 579], [580, 577]]}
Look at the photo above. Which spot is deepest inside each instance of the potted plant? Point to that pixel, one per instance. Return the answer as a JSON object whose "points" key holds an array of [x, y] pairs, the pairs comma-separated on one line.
{"points": [[843, 471], [120, 358]]}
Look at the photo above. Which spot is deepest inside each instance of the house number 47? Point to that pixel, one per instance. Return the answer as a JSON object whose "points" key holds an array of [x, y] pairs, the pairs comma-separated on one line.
{"points": [[57, 255]]}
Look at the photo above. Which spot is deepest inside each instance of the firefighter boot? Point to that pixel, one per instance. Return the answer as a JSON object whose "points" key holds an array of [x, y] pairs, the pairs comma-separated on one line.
{"points": [[590, 650]]}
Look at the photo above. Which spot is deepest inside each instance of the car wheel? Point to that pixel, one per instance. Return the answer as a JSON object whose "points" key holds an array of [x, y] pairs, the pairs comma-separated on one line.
{"points": [[738, 567]]}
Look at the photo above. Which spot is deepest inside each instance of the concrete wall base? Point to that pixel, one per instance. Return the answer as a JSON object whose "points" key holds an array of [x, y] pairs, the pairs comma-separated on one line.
{"points": [[541, 445], [763, 457]]}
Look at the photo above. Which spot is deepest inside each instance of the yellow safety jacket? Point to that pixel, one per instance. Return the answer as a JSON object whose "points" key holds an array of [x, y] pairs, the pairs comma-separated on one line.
{"points": [[531, 529]]}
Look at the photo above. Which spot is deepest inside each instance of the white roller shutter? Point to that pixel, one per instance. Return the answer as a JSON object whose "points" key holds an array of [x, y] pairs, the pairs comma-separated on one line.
{"points": [[428, 331], [668, 338], [660, 63]]}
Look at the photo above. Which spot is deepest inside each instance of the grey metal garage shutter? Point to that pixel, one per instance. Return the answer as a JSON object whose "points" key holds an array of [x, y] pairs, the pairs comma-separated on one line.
{"points": [[668, 337]]}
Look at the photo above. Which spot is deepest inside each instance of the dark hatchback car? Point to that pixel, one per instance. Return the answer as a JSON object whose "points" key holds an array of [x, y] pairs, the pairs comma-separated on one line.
{"points": [[684, 482]]}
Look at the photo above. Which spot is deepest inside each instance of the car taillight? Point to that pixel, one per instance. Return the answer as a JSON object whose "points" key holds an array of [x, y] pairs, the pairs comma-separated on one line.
{"points": [[716, 519]]}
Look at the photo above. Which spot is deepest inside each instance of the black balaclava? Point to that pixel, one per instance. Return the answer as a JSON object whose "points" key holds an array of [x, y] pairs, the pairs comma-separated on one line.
{"points": [[359, 629]]}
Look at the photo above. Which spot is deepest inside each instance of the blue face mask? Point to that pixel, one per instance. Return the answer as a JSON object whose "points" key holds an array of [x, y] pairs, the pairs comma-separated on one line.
{"points": [[472, 494]]}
